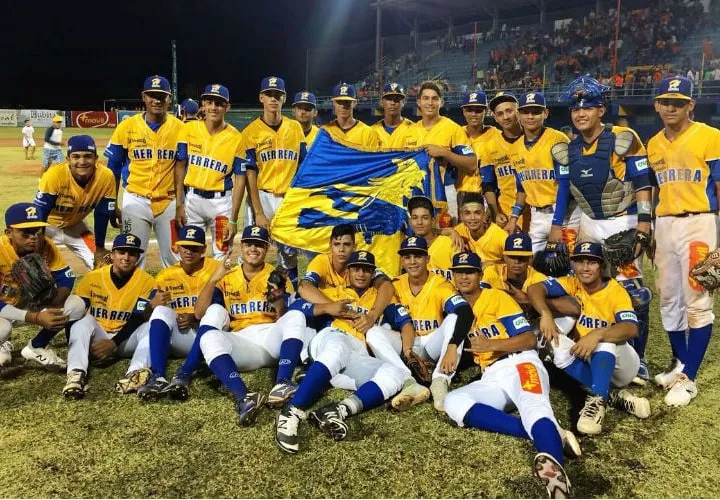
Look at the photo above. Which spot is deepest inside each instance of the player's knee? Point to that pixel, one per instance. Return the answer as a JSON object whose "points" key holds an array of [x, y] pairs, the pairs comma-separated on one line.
{"points": [[565, 324], [335, 356], [5, 329], [165, 314], [389, 379], [562, 357], [214, 344], [74, 307], [457, 405], [699, 318], [376, 336], [215, 316], [294, 325], [607, 347], [83, 328]]}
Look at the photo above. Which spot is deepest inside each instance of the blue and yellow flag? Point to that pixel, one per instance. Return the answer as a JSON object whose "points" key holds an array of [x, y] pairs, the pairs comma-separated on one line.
{"points": [[337, 184]]}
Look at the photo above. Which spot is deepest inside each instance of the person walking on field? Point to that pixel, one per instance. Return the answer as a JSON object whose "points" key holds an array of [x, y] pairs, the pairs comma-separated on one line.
{"points": [[28, 141]]}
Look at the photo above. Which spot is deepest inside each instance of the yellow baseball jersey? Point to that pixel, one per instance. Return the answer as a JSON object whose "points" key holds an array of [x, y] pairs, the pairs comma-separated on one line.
{"points": [[489, 246], [473, 183], [609, 305], [496, 167], [392, 138], [437, 298], [211, 159], [360, 134], [686, 170], [441, 252], [9, 289], [184, 288], [310, 136], [495, 276], [535, 169], [321, 273], [274, 153], [497, 317], [65, 202], [113, 307], [360, 303], [245, 299]]}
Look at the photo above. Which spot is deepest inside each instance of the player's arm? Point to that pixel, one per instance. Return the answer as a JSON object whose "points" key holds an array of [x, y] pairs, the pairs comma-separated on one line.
{"points": [[309, 287], [489, 186], [210, 292], [239, 184], [254, 194], [518, 207], [48, 137], [520, 342], [465, 317], [624, 329], [179, 176], [337, 309], [46, 197], [539, 293], [52, 319], [562, 199]]}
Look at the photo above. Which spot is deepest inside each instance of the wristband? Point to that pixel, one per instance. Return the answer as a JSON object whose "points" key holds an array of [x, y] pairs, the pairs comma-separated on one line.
{"points": [[516, 210], [233, 222], [644, 218]]}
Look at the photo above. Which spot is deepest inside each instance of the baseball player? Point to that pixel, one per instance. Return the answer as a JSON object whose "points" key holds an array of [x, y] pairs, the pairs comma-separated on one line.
{"points": [[441, 320], [148, 142], [304, 109], [119, 298], [604, 169], [210, 172], [345, 127], [262, 333], [70, 191], [52, 149], [25, 234], [340, 358], [486, 240], [599, 356], [28, 140], [391, 129], [274, 147], [685, 170], [535, 169], [190, 109], [503, 344]]}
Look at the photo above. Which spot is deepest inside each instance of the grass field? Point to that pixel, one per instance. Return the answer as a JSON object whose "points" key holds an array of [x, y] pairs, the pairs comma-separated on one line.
{"points": [[112, 446]]}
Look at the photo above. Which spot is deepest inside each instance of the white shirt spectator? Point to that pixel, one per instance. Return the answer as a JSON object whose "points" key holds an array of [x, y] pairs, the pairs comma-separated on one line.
{"points": [[716, 74], [27, 135]]}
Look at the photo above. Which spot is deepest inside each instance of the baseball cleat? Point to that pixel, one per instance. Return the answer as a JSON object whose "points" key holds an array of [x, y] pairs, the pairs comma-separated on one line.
{"points": [[439, 389], [133, 381], [153, 390], [552, 475], [625, 400], [248, 408], [411, 394], [179, 386], [6, 350], [43, 356], [571, 446], [643, 375], [76, 385], [286, 428], [682, 391], [281, 393], [666, 378], [591, 416], [330, 419]]}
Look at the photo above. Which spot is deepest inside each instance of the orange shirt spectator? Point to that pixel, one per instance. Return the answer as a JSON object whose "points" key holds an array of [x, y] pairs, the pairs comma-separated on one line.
{"points": [[618, 81]]}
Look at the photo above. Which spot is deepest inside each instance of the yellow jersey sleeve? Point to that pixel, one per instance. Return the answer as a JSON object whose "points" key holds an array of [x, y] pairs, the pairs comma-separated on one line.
{"points": [[321, 274], [184, 288]]}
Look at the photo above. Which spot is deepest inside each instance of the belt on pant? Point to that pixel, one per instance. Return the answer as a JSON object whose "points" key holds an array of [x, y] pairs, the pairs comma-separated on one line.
{"points": [[547, 209], [686, 214], [208, 194]]}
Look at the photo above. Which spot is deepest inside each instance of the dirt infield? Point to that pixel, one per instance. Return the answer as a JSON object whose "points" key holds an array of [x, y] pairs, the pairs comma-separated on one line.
{"points": [[31, 169], [10, 142]]}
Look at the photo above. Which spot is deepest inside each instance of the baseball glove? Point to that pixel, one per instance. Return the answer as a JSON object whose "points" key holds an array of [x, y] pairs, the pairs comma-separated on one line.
{"points": [[36, 283], [624, 247], [554, 260], [421, 369], [276, 283], [707, 272]]}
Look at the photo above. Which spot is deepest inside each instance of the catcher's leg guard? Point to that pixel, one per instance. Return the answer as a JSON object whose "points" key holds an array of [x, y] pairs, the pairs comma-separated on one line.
{"points": [[641, 297]]}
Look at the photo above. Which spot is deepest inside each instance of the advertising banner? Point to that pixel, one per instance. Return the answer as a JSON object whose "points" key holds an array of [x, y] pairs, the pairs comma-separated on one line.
{"points": [[37, 117], [93, 119], [8, 118], [122, 115]]}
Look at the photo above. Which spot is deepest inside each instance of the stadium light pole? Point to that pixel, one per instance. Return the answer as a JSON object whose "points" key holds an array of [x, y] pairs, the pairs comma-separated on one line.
{"points": [[378, 29], [617, 36], [174, 73]]}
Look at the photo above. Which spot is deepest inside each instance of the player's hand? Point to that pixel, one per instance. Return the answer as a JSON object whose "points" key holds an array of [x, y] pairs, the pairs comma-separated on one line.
{"points": [[186, 320], [180, 217], [364, 322], [161, 298], [501, 219], [52, 319], [342, 309], [222, 270], [262, 221], [585, 347], [450, 360], [102, 349], [457, 240], [229, 233], [517, 294], [116, 218], [479, 344], [99, 259], [511, 225], [556, 233], [549, 329], [435, 151]]}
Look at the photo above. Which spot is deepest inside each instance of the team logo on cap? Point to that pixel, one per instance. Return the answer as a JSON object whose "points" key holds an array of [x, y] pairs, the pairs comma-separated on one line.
{"points": [[530, 98], [215, 88], [191, 233], [272, 81], [473, 96], [130, 239], [393, 86], [412, 241], [31, 212], [362, 255], [463, 259], [255, 231], [517, 243], [156, 82], [344, 90], [585, 247], [674, 85], [499, 94], [305, 96]]}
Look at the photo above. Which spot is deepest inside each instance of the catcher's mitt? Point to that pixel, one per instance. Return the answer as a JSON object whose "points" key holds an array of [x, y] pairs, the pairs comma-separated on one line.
{"points": [[554, 260], [421, 369], [36, 283], [624, 247], [707, 272], [276, 283]]}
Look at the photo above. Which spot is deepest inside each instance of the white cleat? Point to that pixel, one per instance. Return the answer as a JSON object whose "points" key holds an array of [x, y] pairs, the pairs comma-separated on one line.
{"points": [[439, 389], [552, 475], [411, 394], [591, 416], [571, 446], [682, 391], [43, 356], [6, 350], [666, 378], [634, 405]]}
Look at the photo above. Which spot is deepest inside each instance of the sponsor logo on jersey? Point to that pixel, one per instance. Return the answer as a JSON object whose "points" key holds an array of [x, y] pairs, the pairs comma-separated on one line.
{"points": [[457, 300], [628, 316], [521, 322]]}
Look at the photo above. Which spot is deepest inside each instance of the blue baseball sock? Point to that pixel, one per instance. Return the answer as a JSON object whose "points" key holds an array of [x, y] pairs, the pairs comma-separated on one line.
{"points": [[487, 418], [369, 395], [698, 341], [640, 342], [159, 346], [225, 369], [312, 386], [43, 338], [580, 371], [678, 344], [602, 365], [194, 357], [289, 355], [547, 439]]}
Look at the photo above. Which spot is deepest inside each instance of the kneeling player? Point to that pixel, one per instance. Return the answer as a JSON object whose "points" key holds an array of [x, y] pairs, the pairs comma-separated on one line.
{"points": [[601, 355], [513, 375], [341, 358]]}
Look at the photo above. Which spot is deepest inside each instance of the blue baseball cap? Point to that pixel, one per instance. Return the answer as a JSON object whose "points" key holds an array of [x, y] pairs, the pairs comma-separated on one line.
{"points": [[502, 96], [344, 92], [466, 260], [305, 98], [255, 233], [156, 83], [361, 258], [191, 236], [413, 244], [518, 245], [81, 143], [675, 87], [190, 106], [393, 88], [272, 83], [127, 240], [474, 98], [22, 215], [587, 249], [532, 99], [216, 90]]}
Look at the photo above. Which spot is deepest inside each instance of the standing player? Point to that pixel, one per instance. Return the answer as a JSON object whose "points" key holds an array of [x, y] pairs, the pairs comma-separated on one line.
{"points": [[345, 127], [503, 344], [483, 238], [52, 149], [685, 162], [209, 154], [148, 141], [536, 170], [190, 109], [304, 109], [392, 128], [28, 140], [70, 191]]}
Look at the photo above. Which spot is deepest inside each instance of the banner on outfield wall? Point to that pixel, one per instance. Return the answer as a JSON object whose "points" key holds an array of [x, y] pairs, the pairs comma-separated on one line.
{"points": [[8, 117], [37, 117], [124, 115], [93, 119]]}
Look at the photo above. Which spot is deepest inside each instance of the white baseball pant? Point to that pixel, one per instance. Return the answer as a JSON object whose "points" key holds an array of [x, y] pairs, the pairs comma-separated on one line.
{"points": [[138, 219], [73, 307], [213, 213], [78, 239], [540, 226], [287, 256]]}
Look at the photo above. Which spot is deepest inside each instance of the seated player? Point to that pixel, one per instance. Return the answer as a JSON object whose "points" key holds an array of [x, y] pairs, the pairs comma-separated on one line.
{"points": [[441, 319], [120, 298], [483, 238], [512, 376], [599, 356], [24, 235], [250, 298], [340, 358]]}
